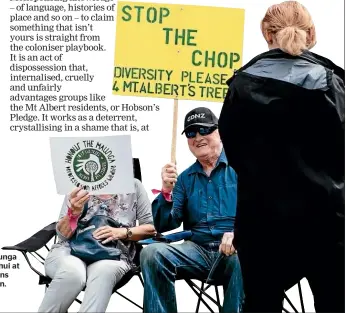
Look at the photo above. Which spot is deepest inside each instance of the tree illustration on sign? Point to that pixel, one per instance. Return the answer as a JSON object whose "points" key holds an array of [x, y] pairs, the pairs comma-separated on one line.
{"points": [[89, 166]]}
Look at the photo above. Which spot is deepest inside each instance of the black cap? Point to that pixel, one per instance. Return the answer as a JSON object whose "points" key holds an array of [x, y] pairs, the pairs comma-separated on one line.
{"points": [[201, 117]]}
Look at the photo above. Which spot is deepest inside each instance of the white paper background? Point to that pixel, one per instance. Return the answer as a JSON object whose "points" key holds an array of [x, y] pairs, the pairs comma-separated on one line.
{"points": [[29, 200]]}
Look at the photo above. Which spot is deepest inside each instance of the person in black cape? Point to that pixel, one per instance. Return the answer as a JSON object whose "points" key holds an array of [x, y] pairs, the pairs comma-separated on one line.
{"points": [[282, 126]]}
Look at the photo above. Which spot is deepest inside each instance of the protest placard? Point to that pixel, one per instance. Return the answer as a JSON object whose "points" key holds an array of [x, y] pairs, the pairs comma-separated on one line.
{"points": [[185, 52], [103, 165]]}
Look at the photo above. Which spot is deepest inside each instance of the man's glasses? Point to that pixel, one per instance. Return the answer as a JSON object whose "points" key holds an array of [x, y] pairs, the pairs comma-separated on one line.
{"points": [[202, 130]]}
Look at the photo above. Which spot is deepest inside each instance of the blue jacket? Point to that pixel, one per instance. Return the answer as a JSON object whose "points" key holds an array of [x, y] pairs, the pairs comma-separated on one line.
{"points": [[205, 205]]}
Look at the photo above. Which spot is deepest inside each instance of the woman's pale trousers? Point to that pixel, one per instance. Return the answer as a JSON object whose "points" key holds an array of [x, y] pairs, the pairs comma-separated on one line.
{"points": [[70, 275]]}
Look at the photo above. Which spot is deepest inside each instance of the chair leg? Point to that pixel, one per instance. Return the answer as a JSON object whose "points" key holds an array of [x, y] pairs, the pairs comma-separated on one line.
{"points": [[193, 286], [290, 303], [218, 298], [301, 297], [129, 300], [141, 279], [142, 282], [78, 301], [199, 297]]}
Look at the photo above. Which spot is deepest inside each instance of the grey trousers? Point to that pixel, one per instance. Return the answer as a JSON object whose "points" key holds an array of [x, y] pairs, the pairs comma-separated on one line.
{"points": [[70, 275]]}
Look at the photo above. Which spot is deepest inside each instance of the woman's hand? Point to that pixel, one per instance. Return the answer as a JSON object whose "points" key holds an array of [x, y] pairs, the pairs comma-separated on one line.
{"points": [[110, 233], [78, 197]]}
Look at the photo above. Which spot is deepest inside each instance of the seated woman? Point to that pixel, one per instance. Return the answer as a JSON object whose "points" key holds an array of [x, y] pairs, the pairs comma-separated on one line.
{"points": [[70, 275]]}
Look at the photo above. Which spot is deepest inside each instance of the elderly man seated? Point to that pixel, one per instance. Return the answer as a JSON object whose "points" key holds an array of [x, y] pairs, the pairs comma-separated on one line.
{"points": [[204, 197]]}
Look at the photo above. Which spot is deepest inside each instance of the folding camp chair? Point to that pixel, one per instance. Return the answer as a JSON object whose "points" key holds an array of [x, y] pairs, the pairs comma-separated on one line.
{"points": [[30, 247], [200, 291], [206, 284]]}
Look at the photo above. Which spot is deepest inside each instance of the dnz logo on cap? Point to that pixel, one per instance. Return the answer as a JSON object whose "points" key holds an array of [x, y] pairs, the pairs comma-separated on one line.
{"points": [[192, 117]]}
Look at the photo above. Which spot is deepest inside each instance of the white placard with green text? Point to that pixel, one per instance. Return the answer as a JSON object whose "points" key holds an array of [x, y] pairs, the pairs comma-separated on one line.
{"points": [[103, 165]]}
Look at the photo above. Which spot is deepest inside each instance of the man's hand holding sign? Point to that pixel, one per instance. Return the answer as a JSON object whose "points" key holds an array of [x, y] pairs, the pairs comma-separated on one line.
{"points": [[169, 176]]}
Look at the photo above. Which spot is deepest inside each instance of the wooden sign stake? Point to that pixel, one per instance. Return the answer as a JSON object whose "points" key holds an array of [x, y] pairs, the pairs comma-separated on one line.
{"points": [[174, 132]]}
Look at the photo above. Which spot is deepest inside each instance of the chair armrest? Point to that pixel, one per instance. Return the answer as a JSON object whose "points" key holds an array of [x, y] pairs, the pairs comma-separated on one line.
{"points": [[174, 237], [35, 242]]}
